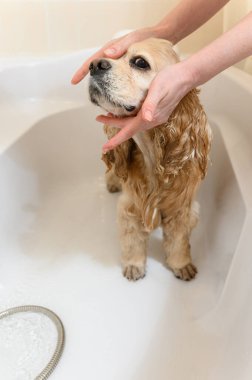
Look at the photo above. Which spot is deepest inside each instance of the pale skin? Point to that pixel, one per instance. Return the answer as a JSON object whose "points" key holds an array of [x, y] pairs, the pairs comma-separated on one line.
{"points": [[174, 82]]}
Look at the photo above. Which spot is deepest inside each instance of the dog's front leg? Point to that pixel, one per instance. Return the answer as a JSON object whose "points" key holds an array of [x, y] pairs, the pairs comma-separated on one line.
{"points": [[133, 240], [112, 181], [176, 233]]}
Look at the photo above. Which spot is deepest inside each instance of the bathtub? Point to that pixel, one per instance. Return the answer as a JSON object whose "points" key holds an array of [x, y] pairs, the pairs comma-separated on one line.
{"points": [[59, 245]]}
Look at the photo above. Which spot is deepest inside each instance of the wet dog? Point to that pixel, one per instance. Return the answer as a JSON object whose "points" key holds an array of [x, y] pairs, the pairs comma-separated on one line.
{"points": [[159, 170]]}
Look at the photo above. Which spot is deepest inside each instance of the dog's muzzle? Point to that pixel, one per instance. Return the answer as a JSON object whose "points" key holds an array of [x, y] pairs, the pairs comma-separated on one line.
{"points": [[99, 85], [99, 67]]}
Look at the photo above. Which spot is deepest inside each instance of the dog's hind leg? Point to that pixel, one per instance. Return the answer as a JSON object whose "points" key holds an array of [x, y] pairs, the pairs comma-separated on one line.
{"points": [[133, 240], [176, 232]]}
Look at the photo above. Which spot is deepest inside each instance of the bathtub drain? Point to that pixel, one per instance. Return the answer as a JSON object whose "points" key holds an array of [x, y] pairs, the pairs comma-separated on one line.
{"points": [[47, 371]]}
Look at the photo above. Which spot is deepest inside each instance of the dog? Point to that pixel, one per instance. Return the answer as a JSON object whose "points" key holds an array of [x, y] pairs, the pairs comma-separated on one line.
{"points": [[159, 171]]}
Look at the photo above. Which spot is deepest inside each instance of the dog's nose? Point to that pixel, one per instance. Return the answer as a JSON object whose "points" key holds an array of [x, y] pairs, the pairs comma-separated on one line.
{"points": [[99, 66]]}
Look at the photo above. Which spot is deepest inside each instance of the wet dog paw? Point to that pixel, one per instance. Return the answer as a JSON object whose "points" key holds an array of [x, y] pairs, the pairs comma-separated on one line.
{"points": [[113, 188], [133, 273], [186, 273]]}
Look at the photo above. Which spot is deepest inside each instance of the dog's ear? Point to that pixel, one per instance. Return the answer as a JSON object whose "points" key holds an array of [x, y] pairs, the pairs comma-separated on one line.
{"points": [[200, 135], [118, 158], [185, 136]]}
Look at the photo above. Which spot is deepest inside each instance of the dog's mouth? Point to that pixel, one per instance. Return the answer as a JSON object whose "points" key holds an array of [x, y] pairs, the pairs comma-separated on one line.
{"points": [[100, 95]]}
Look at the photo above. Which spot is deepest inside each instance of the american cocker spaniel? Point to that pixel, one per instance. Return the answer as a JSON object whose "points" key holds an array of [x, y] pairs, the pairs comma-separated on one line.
{"points": [[159, 171]]}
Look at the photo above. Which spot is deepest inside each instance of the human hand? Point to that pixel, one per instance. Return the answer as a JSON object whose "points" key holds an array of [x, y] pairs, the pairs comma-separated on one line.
{"points": [[114, 49], [166, 90]]}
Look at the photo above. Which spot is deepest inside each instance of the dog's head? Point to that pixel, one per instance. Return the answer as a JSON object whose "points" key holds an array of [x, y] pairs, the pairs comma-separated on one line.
{"points": [[120, 86]]}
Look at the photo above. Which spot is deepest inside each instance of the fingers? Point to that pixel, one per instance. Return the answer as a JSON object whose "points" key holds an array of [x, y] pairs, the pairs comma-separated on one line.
{"points": [[126, 133], [128, 125], [84, 69], [112, 49], [111, 120], [119, 47], [80, 74]]}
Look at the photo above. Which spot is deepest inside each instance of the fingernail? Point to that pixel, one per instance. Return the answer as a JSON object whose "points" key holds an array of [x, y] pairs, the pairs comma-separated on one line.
{"points": [[111, 51], [148, 115], [105, 150]]}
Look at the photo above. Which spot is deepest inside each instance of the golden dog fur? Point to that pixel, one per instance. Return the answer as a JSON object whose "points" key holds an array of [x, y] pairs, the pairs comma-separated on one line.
{"points": [[159, 172]]}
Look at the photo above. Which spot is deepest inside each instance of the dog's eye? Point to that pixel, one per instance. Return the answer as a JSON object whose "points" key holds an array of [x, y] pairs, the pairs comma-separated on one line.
{"points": [[140, 63]]}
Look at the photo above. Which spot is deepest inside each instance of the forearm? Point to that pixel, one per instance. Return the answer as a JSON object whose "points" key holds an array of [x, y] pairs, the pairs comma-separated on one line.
{"points": [[230, 48], [186, 17]]}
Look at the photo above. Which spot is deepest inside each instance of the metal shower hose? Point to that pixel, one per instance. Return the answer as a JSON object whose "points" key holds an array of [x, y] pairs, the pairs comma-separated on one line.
{"points": [[47, 371]]}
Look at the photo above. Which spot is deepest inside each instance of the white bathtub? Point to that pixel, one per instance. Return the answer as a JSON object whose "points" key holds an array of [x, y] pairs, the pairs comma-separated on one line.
{"points": [[59, 245]]}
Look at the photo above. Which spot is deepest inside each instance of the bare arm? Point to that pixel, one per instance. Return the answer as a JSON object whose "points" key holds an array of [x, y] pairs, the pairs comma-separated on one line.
{"points": [[225, 51], [187, 17]]}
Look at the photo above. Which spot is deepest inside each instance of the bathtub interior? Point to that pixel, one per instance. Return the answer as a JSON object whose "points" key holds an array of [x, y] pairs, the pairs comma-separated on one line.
{"points": [[59, 248]]}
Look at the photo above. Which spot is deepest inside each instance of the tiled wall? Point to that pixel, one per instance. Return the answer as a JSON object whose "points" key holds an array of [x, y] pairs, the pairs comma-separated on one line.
{"points": [[57, 26]]}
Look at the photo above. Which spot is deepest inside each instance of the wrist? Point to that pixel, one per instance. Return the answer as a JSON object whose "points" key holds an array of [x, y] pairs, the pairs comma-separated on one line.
{"points": [[191, 77], [166, 31]]}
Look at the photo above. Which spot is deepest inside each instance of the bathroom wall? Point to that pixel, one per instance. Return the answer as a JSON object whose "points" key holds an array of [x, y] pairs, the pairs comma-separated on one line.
{"points": [[232, 14], [51, 27]]}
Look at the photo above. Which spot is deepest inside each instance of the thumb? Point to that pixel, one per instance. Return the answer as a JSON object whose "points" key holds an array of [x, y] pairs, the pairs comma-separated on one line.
{"points": [[150, 104]]}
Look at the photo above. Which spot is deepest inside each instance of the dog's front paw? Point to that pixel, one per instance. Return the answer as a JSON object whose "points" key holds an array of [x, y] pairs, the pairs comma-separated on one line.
{"points": [[133, 273], [187, 273], [113, 188], [113, 182]]}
